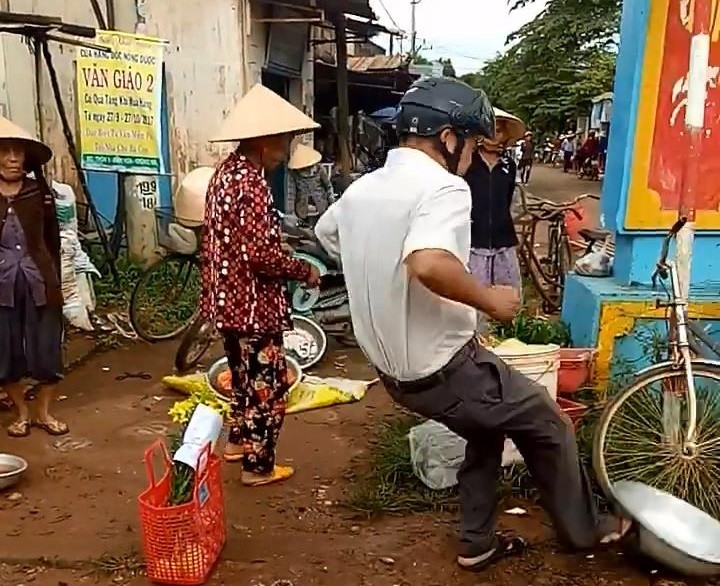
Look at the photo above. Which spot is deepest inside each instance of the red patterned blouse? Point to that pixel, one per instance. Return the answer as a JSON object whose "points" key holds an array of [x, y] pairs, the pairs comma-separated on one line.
{"points": [[244, 268]]}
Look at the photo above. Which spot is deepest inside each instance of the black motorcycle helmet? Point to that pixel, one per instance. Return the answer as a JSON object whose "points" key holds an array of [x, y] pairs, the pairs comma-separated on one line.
{"points": [[433, 104]]}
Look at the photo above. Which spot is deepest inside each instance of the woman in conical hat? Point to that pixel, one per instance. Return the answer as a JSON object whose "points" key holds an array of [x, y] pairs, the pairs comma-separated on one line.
{"points": [[491, 177], [307, 181], [244, 275], [31, 300]]}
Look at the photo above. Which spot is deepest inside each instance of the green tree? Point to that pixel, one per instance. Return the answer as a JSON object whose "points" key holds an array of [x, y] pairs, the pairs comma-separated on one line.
{"points": [[556, 63]]}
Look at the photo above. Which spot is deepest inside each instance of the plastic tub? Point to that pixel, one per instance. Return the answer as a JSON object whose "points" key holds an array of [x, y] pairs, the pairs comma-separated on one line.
{"points": [[574, 372]]}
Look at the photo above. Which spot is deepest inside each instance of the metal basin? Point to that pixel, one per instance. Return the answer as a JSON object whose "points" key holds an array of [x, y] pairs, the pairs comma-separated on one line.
{"points": [[670, 530], [306, 343], [12, 469], [221, 364]]}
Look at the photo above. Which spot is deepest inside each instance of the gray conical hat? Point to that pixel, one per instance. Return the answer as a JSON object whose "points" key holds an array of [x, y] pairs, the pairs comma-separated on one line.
{"points": [[261, 112], [37, 152]]}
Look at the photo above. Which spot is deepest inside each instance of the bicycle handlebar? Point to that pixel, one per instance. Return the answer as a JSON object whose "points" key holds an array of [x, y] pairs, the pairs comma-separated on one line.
{"points": [[676, 227], [544, 209], [661, 268]]}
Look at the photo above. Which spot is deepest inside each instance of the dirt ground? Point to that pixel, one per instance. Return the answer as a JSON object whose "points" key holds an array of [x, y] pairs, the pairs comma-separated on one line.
{"points": [[75, 513]]}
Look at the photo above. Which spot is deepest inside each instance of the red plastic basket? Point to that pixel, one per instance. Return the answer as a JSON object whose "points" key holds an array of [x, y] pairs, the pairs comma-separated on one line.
{"points": [[182, 543]]}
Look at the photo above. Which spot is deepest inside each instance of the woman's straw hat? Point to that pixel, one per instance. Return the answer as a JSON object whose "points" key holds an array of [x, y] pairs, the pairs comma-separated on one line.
{"points": [[37, 153], [515, 126], [303, 156], [189, 200], [261, 112]]}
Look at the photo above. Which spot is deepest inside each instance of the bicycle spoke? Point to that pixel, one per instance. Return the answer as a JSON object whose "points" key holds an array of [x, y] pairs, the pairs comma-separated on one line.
{"points": [[635, 446]]}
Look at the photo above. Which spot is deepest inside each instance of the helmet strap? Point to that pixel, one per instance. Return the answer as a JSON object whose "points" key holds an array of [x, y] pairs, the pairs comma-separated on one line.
{"points": [[452, 160]]}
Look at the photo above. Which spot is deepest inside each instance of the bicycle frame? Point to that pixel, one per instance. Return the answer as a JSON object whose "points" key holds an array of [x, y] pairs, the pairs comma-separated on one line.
{"points": [[680, 354], [679, 333]]}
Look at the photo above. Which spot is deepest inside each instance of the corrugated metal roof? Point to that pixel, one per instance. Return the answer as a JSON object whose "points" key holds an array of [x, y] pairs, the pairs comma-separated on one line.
{"points": [[376, 63]]}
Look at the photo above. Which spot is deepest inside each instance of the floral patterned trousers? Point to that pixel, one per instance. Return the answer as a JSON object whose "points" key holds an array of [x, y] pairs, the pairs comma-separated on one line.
{"points": [[259, 389]]}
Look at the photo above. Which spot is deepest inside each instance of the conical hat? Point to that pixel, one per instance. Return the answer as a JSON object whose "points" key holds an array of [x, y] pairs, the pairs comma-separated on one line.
{"points": [[189, 200], [515, 126], [261, 112], [37, 152], [303, 156]]}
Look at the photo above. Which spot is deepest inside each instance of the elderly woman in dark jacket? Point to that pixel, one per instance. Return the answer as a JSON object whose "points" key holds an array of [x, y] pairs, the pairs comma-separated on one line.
{"points": [[31, 326]]}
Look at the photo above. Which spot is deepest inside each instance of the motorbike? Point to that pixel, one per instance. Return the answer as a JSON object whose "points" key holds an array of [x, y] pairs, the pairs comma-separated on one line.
{"points": [[328, 304], [306, 343], [316, 312], [590, 169]]}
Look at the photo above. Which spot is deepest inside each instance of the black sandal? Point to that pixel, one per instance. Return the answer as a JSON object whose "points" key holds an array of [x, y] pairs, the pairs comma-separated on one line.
{"points": [[506, 546]]}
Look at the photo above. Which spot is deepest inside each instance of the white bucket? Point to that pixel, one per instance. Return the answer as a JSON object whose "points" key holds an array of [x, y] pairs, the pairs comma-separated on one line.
{"points": [[540, 363]]}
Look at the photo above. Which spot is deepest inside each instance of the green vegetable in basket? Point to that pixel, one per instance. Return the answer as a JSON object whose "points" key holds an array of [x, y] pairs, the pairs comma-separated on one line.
{"points": [[532, 329]]}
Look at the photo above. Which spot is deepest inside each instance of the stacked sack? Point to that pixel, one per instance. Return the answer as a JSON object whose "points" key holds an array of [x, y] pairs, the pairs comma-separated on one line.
{"points": [[75, 266]]}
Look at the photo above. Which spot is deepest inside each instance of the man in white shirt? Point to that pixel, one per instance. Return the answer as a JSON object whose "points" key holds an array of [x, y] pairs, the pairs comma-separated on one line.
{"points": [[403, 235], [568, 150]]}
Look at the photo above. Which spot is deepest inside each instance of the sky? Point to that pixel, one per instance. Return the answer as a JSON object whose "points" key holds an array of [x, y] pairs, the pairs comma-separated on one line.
{"points": [[467, 31]]}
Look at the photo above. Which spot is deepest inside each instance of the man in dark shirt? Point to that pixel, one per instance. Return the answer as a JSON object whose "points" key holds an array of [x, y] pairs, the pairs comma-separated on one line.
{"points": [[526, 158], [491, 177]]}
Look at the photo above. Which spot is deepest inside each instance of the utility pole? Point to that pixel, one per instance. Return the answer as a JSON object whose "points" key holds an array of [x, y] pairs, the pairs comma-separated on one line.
{"points": [[343, 112], [413, 28], [694, 130]]}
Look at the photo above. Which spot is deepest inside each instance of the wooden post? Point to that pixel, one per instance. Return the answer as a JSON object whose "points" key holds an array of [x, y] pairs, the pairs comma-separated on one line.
{"points": [[343, 112]]}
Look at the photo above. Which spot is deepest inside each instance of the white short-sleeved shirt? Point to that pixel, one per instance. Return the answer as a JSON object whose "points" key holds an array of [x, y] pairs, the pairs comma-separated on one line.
{"points": [[410, 204]]}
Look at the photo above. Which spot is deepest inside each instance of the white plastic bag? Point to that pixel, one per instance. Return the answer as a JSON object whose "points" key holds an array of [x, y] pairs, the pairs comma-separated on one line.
{"points": [[437, 453], [598, 262]]}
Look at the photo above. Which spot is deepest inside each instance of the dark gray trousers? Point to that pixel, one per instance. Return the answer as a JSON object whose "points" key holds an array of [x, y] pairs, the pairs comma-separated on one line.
{"points": [[483, 400]]}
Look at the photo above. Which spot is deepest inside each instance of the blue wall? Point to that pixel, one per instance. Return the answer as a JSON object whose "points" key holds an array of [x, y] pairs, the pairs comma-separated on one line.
{"points": [[633, 30]]}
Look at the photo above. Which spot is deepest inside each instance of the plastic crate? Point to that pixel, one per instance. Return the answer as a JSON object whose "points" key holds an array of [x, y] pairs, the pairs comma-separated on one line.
{"points": [[182, 543]]}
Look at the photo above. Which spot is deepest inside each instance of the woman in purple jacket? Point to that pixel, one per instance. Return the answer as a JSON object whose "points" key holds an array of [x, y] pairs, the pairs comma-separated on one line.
{"points": [[31, 326]]}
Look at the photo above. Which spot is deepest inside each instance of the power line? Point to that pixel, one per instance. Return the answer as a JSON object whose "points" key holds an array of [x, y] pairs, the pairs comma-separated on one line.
{"points": [[387, 12]]}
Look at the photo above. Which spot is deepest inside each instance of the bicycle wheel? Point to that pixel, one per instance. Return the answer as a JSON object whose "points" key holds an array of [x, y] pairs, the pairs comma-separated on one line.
{"points": [[195, 342], [540, 271], [165, 299], [639, 436]]}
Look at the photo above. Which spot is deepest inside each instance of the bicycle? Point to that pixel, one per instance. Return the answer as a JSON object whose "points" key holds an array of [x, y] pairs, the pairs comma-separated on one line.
{"points": [[548, 271], [164, 302], [673, 443]]}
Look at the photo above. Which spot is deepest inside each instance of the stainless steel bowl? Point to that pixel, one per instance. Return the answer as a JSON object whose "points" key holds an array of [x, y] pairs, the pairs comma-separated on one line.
{"points": [[670, 530], [221, 364], [12, 469], [306, 342]]}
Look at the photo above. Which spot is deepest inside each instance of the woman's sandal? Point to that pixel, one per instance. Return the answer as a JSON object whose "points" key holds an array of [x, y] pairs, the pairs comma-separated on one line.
{"points": [[278, 474], [52, 426], [19, 428]]}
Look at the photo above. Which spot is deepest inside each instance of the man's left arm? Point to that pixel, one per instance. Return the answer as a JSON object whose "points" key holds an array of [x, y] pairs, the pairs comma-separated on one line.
{"points": [[326, 231]]}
